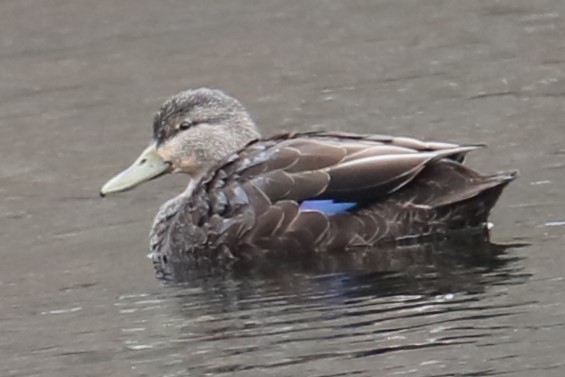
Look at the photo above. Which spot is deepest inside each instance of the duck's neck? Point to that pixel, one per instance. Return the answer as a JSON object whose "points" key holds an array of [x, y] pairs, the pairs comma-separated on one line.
{"points": [[194, 181]]}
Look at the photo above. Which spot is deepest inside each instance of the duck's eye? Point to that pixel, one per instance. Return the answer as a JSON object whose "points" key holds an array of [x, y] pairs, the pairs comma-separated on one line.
{"points": [[185, 124]]}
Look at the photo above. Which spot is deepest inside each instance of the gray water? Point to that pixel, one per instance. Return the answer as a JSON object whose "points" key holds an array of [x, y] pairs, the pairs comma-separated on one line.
{"points": [[79, 82]]}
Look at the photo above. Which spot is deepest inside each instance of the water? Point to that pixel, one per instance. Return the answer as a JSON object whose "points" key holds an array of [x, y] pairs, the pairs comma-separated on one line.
{"points": [[80, 81]]}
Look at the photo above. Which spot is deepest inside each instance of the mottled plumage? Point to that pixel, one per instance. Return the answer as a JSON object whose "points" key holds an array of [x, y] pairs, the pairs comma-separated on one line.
{"points": [[246, 205], [249, 206]]}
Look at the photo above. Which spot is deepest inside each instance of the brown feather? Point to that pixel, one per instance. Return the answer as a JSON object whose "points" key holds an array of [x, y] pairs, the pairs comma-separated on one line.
{"points": [[377, 151], [308, 185], [381, 173], [314, 155], [275, 185], [309, 227], [290, 211], [267, 223]]}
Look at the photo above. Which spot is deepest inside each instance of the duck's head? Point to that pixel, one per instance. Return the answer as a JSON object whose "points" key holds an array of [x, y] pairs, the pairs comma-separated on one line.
{"points": [[192, 131]]}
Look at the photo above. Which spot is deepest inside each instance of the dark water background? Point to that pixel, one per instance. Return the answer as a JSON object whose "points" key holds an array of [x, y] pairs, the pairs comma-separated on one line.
{"points": [[79, 81]]}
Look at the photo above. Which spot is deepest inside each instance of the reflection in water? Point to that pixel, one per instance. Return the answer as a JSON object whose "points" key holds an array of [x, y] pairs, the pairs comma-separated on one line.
{"points": [[324, 312], [439, 262]]}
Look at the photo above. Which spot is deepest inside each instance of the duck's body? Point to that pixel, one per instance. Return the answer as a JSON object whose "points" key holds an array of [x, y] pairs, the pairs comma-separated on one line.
{"points": [[303, 192]]}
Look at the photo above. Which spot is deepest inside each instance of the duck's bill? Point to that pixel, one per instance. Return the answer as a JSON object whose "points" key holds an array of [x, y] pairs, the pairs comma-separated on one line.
{"points": [[148, 166]]}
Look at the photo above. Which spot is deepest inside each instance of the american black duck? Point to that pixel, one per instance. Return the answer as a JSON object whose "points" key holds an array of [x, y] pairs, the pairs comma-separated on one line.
{"points": [[301, 192]]}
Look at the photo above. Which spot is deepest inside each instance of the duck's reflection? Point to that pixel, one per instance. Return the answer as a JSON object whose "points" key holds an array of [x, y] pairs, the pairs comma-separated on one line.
{"points": [[459, 263], [433, 301]]}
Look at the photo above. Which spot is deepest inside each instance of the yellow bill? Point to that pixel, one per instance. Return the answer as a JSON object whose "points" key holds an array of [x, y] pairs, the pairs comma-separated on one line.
{"points": [[149, 165]]}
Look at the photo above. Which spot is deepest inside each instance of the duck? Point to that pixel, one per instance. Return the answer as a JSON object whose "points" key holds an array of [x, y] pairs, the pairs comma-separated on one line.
{"points": [[297, 193]]}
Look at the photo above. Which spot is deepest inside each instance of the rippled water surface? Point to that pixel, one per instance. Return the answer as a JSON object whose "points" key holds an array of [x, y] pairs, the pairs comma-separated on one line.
{"points": [[79, 83]]}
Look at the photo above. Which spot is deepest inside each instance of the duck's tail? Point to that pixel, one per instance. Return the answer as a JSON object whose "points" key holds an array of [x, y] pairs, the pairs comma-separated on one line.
{"points": [[470, 206], [478, 186]]}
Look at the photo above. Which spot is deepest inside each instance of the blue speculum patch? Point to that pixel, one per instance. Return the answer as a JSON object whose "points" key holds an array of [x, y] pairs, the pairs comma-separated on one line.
{"points": [[327, 206]]}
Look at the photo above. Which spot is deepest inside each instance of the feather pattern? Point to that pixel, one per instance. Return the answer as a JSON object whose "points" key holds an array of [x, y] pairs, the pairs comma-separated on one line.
{"points": [[255, 203]]}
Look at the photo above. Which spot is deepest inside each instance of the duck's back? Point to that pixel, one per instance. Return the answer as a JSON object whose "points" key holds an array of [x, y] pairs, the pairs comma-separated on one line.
{"points": [[319, 192]]}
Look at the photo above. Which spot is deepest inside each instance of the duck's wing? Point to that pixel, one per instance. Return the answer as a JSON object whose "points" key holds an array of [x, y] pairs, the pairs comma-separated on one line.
{"points": [[296, 183], [331, 166]]}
